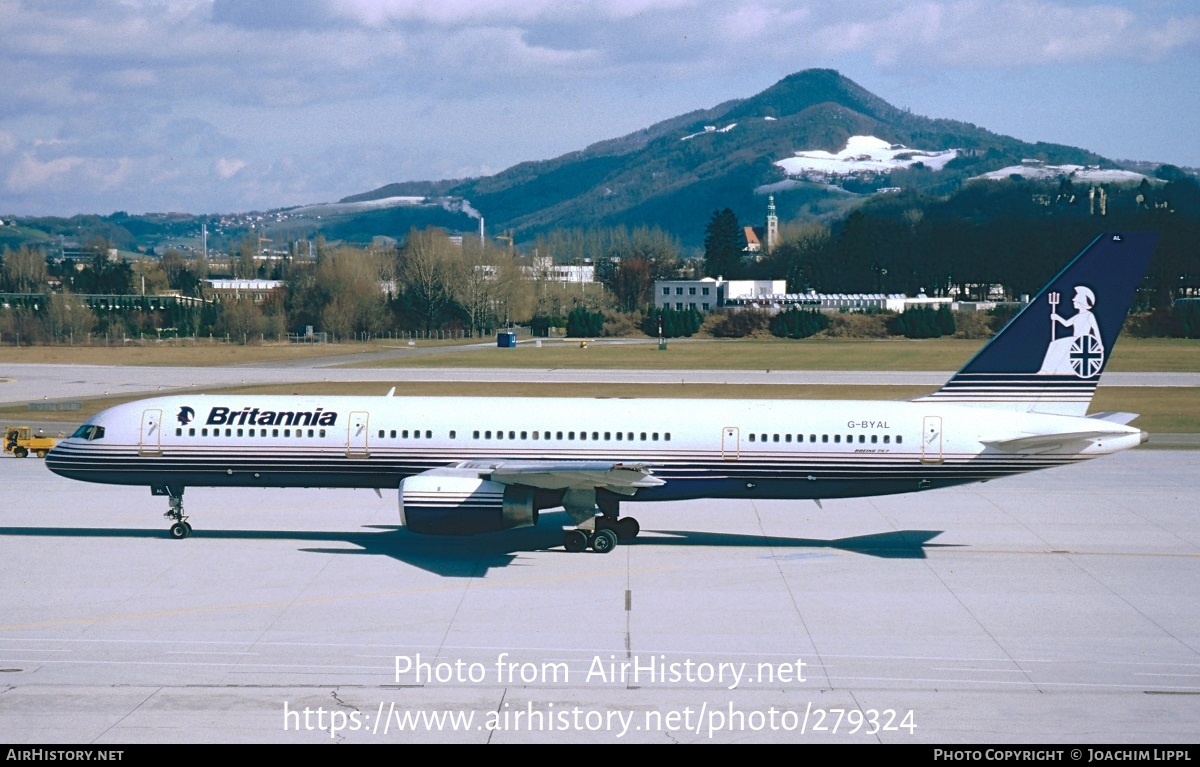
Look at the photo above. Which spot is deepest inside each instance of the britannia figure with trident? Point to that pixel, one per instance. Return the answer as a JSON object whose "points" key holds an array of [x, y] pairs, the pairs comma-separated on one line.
{"points": [[1082, 352]]}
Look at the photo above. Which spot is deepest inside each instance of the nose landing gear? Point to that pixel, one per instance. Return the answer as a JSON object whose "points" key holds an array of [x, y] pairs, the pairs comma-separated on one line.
{"points": [[180, 529]]}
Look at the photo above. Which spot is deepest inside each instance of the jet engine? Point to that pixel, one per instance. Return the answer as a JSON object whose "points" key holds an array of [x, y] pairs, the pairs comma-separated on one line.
{"points": [[457, 505]]}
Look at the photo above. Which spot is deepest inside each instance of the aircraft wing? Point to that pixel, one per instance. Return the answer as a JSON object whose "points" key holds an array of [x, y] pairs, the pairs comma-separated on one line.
{"points": [[622, 478]]}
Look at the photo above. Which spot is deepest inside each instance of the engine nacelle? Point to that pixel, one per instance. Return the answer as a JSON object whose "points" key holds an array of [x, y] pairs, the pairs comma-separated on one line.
{"points": [[450, 505]]}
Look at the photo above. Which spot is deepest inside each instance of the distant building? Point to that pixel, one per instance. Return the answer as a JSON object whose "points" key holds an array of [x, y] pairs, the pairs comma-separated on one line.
{"points": [[772, 296], [710, 293], [544, 268], [761, 240], [257, 291]]}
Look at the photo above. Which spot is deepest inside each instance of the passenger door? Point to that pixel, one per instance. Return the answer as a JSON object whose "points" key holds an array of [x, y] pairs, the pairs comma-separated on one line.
{"points": [[150, 436], [731, 446], [356, 437], [931, 440]]}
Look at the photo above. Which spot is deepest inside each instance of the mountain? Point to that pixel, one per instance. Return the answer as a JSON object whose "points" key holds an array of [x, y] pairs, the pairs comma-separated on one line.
{"points": [[675, 173]]}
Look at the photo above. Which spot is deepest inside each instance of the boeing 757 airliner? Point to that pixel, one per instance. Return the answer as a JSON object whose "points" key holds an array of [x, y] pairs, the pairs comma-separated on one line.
{"points": [[471, 465]]}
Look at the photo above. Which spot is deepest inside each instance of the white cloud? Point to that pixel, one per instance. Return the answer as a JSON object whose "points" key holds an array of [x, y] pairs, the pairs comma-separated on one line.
{"points": [[227, 168]]}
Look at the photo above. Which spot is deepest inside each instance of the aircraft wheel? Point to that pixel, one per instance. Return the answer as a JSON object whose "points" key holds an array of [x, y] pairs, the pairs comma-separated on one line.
{"points": [[627, 528], [575, 540], [188, 525], [180, 530], [604, 541]]}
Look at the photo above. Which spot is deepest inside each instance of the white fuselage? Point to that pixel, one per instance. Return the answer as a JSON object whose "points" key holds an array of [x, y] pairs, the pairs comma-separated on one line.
{"points": [[700, 448]]}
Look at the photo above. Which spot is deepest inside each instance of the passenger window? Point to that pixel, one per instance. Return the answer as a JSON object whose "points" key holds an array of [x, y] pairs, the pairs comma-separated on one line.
{"points": [[874, 438], [310, 432], [274, 432], [179, 432], [595, 435], [239, 432], [751, 437], [229, 432], [607, 436], [619, 436], [487, 435], [862, 438], [524, 435], [453, 434], [787, 438], [887, 438], [535, 435], [774, 437], [393, 434], [654, 436], [643, 436], [812, 437], [287, 432], [204, 432], [629, 436], [558, 435], [381, 433], [837, 438], [475, 434], [899, 439], [321, 433], [191, 432], [668, 436]]}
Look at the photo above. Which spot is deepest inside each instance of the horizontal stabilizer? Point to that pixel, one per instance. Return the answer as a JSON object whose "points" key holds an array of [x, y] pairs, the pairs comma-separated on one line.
{"points": [[1043, 442], [1114, 417]]}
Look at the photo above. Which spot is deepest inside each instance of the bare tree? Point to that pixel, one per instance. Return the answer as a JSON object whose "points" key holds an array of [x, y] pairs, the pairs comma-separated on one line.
{"points": [[427, 270], [25, 270]]}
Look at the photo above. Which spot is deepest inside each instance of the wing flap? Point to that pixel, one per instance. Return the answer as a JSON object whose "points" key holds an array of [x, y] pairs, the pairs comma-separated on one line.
{"points": [[623, 478]]}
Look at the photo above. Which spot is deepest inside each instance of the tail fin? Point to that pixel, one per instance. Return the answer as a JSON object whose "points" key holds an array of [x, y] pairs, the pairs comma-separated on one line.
{"points": [[1049, 358]]}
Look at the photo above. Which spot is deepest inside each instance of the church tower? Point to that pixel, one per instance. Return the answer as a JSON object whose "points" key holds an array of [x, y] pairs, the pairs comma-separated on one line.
{"points": [[772, 224]]}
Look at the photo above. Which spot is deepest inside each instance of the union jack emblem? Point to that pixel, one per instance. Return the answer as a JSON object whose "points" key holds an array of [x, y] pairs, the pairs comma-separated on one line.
{"points": [[1087, 356]]}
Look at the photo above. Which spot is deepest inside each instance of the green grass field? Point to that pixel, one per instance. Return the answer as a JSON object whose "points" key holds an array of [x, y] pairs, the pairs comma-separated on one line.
{"points": [[1130, 355]]}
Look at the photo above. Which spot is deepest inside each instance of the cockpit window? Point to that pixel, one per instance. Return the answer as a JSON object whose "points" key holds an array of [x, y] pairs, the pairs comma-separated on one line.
{"points": [[89, 432]]}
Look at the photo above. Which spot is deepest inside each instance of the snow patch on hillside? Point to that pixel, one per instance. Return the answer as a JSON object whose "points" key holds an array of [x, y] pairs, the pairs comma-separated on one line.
{"points": [[863, 156], [1089, 173], [334, 208], [710, 129]]}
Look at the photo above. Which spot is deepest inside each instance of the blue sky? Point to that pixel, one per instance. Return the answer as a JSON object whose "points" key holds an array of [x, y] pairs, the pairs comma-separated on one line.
{"points": [[229, 105]]}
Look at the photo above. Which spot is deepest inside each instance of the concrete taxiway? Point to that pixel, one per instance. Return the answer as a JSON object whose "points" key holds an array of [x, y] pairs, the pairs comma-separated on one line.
{"points": [[1052, 607]]}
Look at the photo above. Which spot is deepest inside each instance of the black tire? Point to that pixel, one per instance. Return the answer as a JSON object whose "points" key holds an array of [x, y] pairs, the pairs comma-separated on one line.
{"points": [[41, 454], [604, 541], [20, 452], [627, 529], [575, 541], [188, 525], [180, 530]]}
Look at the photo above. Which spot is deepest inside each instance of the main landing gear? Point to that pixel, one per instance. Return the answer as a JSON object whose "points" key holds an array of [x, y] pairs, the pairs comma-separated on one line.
{"points": [[180, 528], [599, 533]]}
